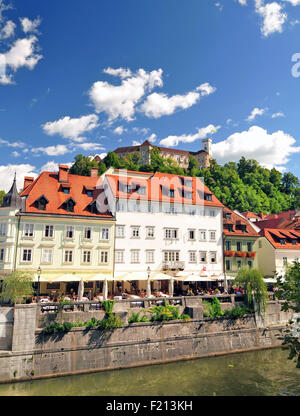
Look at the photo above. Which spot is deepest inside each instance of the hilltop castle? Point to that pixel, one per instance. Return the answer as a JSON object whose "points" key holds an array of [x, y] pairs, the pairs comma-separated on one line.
{"points": [[179, 156]]}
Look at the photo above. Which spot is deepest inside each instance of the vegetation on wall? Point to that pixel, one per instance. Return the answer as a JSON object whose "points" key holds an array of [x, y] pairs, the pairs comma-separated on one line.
{"points": [[243, 185], [289, 290], [16, 287]]}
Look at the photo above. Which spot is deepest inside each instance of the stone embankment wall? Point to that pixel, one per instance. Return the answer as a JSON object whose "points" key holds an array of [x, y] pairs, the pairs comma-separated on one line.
{"points": [[82, 350]]}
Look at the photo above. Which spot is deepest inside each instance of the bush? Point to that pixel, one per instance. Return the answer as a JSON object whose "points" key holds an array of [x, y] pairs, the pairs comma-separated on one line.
{"points": [[213, 309], [111, 321], [164, 313], [108, 306], [135, 317], [55, 327], [16, 287], [238, 311]]}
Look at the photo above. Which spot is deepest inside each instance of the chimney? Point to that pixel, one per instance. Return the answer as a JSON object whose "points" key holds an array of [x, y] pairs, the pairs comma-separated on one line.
{"points": [[261, 215], [63, 173], [28, 180], [94, 172]]}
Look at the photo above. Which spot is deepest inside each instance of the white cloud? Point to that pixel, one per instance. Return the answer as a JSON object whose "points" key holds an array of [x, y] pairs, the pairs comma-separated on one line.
{"points": [[206, 89], [90, 146], [152, 138], [293, 2], [50, 166], [120, 101], [268, 149], [158, 105], [16, 154], [30, 26], [11, 144], [119, 72], [219, 6], [141, 130], [8, 30], [202, 133], [243, 2], [71, 128], [256, 112], [272, 15], [119, 130], [279, 114], [57, 150], [7, 174], [21, 54], [136, 143]]}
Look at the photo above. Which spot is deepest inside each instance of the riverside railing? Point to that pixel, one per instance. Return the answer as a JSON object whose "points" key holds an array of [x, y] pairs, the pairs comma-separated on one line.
{"points": [[138, 303]]}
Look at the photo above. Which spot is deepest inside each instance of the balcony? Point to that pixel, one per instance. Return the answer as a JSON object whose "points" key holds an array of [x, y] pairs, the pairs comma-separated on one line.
{"points": [[173, 265]]}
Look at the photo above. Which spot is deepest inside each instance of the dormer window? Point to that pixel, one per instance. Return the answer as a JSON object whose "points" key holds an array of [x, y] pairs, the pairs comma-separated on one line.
{"points": [[93, 208], [208, 197], [41, 203], [65, 188], [282, 241], [229, 227], [228, 216], [294, 241], [70, 204], [89, 193]]}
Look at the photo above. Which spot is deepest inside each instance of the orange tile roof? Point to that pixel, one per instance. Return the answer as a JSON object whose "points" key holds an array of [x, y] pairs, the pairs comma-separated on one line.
{"points": [[250, 214], [47, 184], [237, 220], [154, 184], [273, 235]]}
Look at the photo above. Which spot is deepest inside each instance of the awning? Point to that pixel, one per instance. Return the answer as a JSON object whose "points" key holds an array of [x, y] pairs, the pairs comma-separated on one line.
{"points": [[128, 276], [194, 278], [70, 277]]}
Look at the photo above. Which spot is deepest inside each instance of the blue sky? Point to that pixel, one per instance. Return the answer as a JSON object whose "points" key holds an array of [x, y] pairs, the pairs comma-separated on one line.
{"points": [[88, 77]]}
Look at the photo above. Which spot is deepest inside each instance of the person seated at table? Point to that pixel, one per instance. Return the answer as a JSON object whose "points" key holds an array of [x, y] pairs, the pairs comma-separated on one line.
{"points": [[190, 293]]}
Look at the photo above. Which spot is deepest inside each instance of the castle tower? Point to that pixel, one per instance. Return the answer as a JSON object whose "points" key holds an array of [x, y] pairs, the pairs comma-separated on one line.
{"points": [[207, 146], [12, 198]]}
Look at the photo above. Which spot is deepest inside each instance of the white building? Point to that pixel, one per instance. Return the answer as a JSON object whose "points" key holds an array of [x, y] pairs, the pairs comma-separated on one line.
{"points": [[168, 223]]}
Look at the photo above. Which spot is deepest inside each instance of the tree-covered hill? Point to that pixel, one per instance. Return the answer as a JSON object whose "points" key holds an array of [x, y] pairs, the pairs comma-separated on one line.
{"points": [[245, 186]]}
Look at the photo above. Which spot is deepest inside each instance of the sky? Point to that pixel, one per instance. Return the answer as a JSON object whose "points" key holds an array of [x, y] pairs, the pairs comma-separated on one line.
{"points": [[88, 77]]}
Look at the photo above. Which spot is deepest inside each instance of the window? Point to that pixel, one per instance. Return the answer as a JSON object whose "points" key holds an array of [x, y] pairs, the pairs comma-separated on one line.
{"points": [[212, 213], [49, 231], [47, 255], [249, 246], [202, 256], [150, 232], [120, 231], [26, 255], [187, 183], [212, 235], [70, 204], [192, 257], [68, 256], [28, 230], [203, 235], [171, 193], [2, 255], [285, 261], [260, 244], [228, 245], [239, 264], [192, 235], [3, 229], [229, 227], [135, 232], [119, 256], [282, 241], [171, 255], [150, 256], [228, 264], [187, 195], [228, 215], [141, 190], [104, 233], [104, 256], [239, 246], [70, 231], [86, 257], [171, 233], [41, 203], [208, 197], [87, 233], [250, 264], [66, 190], [89, 193], [213, 257], [135, 256]]}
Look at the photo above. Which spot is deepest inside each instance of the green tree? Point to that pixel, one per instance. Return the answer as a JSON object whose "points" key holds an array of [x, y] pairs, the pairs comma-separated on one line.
{"points": [[255, 287], [112, 160], [289, 290], [2, 193], [16, 287], [289, 183], [82, 166]]}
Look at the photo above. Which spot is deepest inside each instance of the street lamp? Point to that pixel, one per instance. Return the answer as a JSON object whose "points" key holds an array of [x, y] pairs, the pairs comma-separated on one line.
{"points": [[39, 271]]}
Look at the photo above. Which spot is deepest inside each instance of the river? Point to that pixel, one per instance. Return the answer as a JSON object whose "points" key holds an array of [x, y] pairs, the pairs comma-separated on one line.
{"points": [[258, 373]]}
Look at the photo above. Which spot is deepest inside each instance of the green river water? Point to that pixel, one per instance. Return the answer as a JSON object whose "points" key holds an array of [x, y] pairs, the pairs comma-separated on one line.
{"points": [[259, 373]]}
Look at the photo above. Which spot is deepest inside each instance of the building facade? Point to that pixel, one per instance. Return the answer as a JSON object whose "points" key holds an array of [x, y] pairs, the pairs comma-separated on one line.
{"points": [[56, 227], [241, 243], [165, 223]]}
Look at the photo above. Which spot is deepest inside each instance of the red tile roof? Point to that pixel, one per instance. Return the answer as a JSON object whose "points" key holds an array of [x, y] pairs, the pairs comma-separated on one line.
{"points": [[250, 214], [274, 235], [154, 185], [237, 220], [47, 184]]}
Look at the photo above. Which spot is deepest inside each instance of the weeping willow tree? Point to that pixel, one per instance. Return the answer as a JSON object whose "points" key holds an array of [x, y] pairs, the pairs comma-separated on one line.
{"points": [[255, 287], [16, 287]]}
